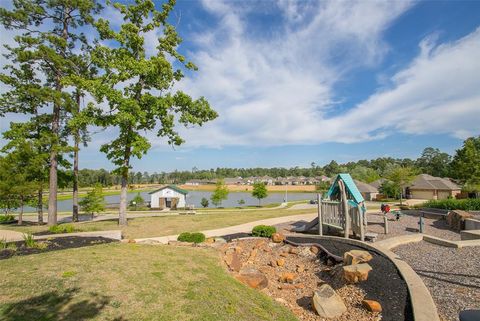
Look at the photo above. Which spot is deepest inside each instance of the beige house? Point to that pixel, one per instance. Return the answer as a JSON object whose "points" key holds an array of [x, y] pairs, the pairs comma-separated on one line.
{"points": [[368, 191], [432, 188]]}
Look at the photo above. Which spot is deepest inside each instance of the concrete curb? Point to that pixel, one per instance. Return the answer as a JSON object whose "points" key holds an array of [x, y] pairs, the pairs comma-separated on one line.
{"points": [[113, 234], [423, 306], [405, 239]]}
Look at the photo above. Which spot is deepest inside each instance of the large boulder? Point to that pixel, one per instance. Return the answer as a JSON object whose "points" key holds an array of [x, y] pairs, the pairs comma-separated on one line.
{"points": [[356, 272], [356, 257], [253, 278], [327, 302], [456, 219]]}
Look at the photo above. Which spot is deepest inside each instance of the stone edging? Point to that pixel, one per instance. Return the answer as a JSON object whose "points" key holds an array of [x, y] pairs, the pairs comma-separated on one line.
{"points": [[405, 239], [423, 306]]}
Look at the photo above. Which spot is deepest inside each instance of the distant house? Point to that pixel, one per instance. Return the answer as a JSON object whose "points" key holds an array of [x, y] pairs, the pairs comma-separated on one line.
{"points": [[194, 182], [378, 183], [168, 197], [431, 188], [234, 181], [368, 191]]}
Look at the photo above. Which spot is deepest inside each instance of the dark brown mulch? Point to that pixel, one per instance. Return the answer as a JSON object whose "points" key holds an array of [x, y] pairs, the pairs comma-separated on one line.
{"points": [[384, 283], [55, 244]]}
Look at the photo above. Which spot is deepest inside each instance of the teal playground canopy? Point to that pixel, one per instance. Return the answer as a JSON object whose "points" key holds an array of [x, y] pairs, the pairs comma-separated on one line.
{"points": [[353, 194]]}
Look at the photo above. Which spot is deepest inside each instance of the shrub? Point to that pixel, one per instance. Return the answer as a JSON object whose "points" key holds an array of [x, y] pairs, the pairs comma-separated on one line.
{"points": [[29, 240], [470, 204], [263, 230], [191, 237], [57, 229], [7, 218]]}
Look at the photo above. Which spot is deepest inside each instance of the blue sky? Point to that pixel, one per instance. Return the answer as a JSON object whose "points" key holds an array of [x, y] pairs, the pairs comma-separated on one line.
{"points": [[297, 82]]}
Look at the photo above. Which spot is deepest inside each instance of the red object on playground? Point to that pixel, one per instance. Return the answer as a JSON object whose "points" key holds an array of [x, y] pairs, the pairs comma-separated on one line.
{"points": [[387, 208]]}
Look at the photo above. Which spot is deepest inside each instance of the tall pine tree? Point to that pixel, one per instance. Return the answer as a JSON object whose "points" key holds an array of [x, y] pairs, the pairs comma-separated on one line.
{"points": [[138, 88], [49, 35]]}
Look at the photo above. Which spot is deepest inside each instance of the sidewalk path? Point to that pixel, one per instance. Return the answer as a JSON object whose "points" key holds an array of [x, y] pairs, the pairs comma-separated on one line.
{"points": [[10, 236], [242, 228]]}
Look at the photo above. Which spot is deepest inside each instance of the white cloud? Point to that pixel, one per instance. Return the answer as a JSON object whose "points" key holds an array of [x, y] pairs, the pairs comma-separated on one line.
{"points": [[280, 90], [277, 90]]}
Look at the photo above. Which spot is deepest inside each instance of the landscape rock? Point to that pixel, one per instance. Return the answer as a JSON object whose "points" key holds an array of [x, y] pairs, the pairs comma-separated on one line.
{"points": [[232, 258], [456, 219], [287, 277], [306, 252], [281, 262], [327, 302], [210, 240], [372, 306], [294, 250], [278, 237], [253, 255], [281, 301], [314, 249], [356, 272], [220, 240], [300, 268], [253, 278], [356, 257]]}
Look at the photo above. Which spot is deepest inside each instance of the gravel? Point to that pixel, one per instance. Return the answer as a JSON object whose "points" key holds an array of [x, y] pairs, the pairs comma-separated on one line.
{"points": [[408, 224], [452, 275]]}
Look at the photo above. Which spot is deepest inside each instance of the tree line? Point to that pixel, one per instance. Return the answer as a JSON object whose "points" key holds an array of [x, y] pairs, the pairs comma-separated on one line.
{"points": [[70, 71], [462, 166]]}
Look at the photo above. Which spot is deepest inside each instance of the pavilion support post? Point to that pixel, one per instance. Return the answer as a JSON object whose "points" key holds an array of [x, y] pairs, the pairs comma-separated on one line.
{"points": [[360, 221], [344, 204], [320, 215]]}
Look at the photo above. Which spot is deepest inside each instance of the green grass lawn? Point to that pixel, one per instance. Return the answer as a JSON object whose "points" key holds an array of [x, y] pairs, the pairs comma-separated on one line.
{"points": [[128, 282], [174, 224]]}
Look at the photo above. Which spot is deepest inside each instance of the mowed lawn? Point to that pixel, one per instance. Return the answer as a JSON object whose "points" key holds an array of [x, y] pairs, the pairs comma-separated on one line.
{"points": [[174, 224], [128, 282]]}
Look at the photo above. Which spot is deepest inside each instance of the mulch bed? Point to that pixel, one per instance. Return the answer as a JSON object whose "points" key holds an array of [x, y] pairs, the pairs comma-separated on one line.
{"points": [[55, 244], [384, 283]]}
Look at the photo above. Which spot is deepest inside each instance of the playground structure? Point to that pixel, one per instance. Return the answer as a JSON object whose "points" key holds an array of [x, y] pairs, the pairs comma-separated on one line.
{"points": [[342, 209]]}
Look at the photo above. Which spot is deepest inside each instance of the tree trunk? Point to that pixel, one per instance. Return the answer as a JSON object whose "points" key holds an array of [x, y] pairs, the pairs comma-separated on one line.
{"points": [[20, 215], [53, 183], [40, 206], [122, 217], [75, 164]]}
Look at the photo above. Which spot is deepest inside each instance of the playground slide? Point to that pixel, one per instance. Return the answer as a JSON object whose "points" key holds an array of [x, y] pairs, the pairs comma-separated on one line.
{"points": [[307, 226]]}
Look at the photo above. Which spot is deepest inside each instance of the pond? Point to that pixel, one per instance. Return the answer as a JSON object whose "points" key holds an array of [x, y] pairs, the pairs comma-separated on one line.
{"points": [[194, 198]]}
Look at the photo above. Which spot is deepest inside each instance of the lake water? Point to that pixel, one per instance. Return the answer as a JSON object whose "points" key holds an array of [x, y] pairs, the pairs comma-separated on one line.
{"points": [[194, 198]]}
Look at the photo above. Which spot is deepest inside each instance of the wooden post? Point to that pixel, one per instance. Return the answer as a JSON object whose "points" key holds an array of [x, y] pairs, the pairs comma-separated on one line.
{"points": [[385, 223], [320, 216], [344, 204], [360, 221]]}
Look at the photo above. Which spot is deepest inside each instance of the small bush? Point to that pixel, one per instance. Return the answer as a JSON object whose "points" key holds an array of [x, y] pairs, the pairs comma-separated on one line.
{"points": [[470, 204], [191, 237], [57, 229], [263, 230], [7, 218]]}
